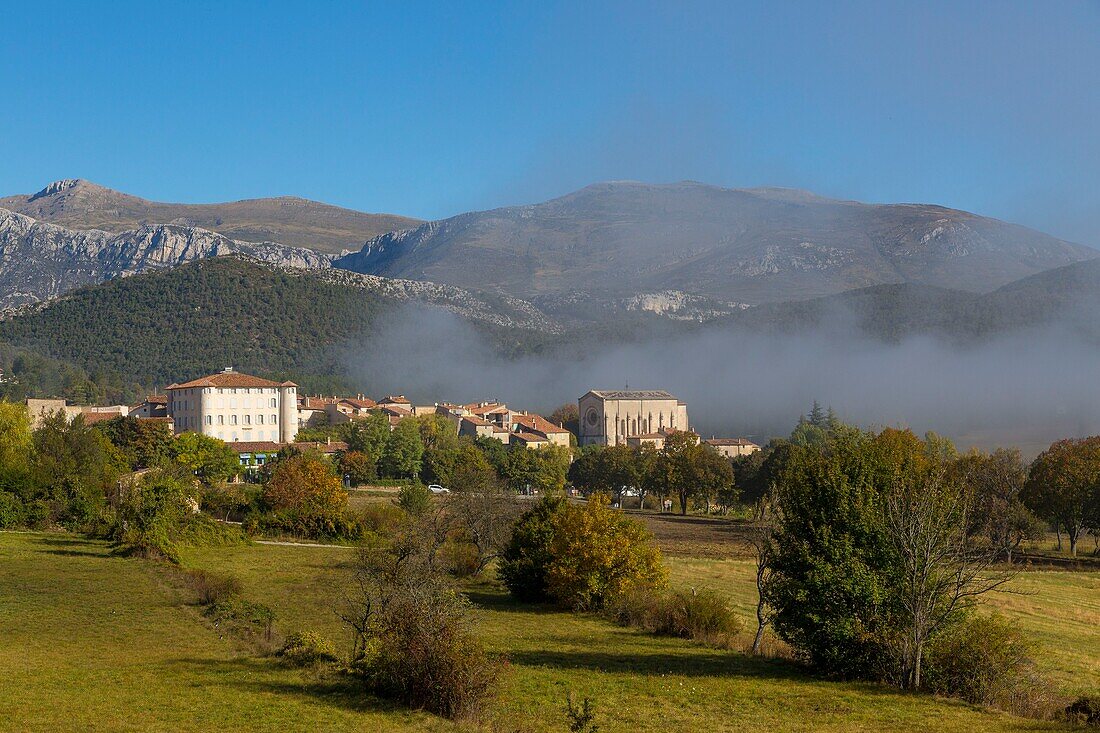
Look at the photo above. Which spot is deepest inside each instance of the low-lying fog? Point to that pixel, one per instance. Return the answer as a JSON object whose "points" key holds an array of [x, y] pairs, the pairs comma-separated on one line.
{"points": [[1025, 390]]}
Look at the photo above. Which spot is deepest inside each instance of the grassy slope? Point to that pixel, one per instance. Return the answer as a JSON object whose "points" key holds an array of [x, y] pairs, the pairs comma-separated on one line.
{"points": [[126, 653]]}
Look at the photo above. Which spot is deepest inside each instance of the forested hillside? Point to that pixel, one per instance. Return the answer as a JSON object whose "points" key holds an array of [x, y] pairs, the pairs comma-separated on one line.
{"points": [[158, 328]]}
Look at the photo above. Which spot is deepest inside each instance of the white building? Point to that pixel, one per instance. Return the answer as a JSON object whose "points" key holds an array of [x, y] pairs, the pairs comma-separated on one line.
{"points": [[235, 407], [611, 417]]}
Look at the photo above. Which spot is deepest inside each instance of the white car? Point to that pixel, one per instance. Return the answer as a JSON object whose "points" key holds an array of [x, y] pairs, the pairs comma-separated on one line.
{"points": [[437, 489]]}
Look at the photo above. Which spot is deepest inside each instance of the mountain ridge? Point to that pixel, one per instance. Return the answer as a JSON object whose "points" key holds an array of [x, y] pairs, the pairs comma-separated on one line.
{"points": [[79, 204], [741, 245]]}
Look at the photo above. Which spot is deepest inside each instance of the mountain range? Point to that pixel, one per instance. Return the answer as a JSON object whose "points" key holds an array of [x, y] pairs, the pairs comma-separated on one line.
{"points": [[295, 222], [735, 246], [616, 261]]}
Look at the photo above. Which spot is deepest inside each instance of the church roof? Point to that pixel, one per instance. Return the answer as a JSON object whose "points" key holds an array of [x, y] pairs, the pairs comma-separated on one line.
{"points": [[633, 394]]}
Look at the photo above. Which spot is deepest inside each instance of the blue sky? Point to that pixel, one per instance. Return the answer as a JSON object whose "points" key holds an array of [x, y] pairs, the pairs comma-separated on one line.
{"points": [[429, 109]]}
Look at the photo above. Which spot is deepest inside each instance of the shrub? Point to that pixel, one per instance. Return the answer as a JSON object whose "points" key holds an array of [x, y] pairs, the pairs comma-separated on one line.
{"points": [[11, 511], [36, 514], [582, 557], [1084, 711], [414, 499], [527, 555], [987, 660], [252, 621], [597, 554], [211, 588], [704, 616], [423, 654], [307, 649], [382, 518]]}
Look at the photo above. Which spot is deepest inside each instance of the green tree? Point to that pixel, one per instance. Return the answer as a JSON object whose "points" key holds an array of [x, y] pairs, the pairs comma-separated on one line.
{"points": [[209, 459], [144, 442], [307, 493], [15, 447], [74, 466], [527, 555], [437, 432], [1063, 486], [997, 482], [404, 450]]}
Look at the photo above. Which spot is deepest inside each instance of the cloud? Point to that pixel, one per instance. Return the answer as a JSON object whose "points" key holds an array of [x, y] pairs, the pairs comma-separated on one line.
{"points": [[1025, 390]]}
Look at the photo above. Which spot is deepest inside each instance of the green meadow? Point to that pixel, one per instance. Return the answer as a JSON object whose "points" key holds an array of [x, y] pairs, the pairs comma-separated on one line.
{"points": [[95, 642]]}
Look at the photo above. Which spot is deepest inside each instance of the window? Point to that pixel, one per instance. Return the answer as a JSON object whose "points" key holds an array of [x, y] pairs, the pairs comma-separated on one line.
{"points": [[209, 419], [274, 420], [247, 419], [271, 402], [259, 419], [233, 421], [221, 420]]}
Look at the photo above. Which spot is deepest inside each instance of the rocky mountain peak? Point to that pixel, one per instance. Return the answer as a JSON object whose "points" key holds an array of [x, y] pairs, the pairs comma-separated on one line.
{"points": [[58, 187]]}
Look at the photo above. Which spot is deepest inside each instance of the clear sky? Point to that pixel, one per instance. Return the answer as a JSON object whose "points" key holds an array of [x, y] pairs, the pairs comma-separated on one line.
{"points": [[429, 109]]}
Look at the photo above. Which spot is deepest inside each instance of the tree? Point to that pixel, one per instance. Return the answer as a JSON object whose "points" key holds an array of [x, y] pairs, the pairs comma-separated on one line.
{"points": [[870, 559], [542, 469], [525, 559], [144, 442], [437, 432], [15, 446], [304, 488], [1064, 484], [567, 416], [483, 518], [705, 473], [927, 515], [598, 554], [74, 467], [358, 466], [404, 450], [997, 481], [209, 459], [368, 435]]}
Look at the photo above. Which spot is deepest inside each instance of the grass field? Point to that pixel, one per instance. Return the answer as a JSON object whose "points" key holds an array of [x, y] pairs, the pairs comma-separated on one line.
{"points": [[93, 642]]}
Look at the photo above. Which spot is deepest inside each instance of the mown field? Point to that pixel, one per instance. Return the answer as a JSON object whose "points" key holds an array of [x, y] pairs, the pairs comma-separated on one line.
{"points": [[94, 642]]}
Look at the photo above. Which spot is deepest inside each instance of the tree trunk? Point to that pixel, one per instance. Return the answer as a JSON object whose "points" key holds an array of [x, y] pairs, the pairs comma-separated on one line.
{"points": [[916, 667], [759, 640], [1058, 534], [1073, 532], [683, 503]]}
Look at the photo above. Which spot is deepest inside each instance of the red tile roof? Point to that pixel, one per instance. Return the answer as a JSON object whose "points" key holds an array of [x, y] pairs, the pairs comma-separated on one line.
{"points": [[537, 423], [230, 379], [731, 441], [267, 446]]}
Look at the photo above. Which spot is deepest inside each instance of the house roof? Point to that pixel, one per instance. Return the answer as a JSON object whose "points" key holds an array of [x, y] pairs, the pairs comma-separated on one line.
{"points": [[639, 394], [537, 423], [394, 400], [731, 441], [91, 418], [530, 437], [474, 420], [230, 379], [360, 403]]}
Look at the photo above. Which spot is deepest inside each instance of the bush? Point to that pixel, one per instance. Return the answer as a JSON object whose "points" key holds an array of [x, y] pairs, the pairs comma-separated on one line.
{"points": [[414, 499], [704, 616], [36, 514], [382, 518], [423, 654], [1084, 711], [526, 557], [11, 511], [987, 660], [307, 649], [252, 621], [582, 557], [211, 588]]}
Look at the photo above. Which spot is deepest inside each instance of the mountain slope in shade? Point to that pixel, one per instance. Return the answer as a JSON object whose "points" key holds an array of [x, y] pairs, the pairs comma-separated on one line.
{"points": [[40, 261], [279, 321], [1063, 298], [627, 239], [296, 222]]}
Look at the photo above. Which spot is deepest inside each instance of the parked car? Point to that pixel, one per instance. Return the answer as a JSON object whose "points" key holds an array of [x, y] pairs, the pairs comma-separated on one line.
{"points": [[437, 489]]}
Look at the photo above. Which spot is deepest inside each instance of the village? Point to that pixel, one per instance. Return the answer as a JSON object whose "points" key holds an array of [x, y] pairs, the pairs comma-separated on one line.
{"points": [[258, 417]]}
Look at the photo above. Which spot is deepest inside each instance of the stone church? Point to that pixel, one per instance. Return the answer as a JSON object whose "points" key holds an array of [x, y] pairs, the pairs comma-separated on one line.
{"points": [[611, 417]]}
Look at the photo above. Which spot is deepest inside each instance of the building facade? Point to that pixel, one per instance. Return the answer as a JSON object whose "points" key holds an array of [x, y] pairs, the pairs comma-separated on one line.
{"points": [[235, 407], [611, 417]]}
